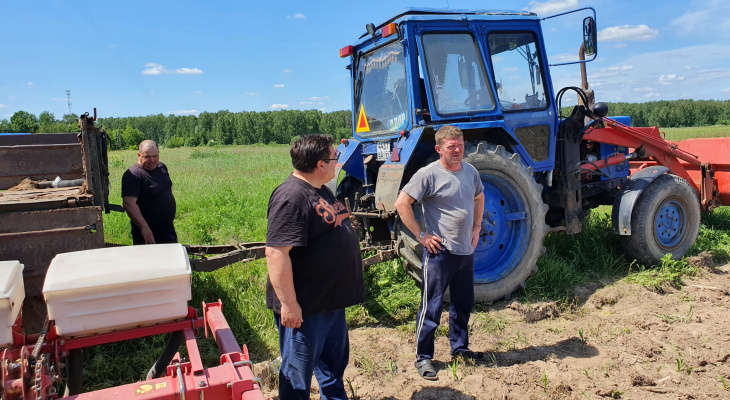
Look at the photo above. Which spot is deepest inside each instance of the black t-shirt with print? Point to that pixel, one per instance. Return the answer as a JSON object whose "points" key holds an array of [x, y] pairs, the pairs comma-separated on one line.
{"points": [[325, 256]]}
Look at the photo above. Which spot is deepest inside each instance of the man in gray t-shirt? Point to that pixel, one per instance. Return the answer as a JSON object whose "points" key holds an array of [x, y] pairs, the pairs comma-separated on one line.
{"points": [[451, 195]]}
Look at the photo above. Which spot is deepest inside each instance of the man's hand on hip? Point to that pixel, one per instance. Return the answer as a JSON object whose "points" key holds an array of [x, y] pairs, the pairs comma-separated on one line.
{"points": [[291, 316], [431, 243]]}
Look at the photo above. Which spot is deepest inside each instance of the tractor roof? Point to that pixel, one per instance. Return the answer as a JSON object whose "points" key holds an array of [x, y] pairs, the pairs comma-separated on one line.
{"points": [[425, 14]]}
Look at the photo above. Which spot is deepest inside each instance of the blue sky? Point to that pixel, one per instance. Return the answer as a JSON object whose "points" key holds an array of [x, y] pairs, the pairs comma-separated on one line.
{"points": [[133, 58]]}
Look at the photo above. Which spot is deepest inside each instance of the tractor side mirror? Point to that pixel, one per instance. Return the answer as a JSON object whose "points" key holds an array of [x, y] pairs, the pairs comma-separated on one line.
{"points": [[590, 40]]}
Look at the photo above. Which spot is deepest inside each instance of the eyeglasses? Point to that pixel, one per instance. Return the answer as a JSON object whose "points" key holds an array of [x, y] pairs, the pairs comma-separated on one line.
{"points": [[337, 156]]}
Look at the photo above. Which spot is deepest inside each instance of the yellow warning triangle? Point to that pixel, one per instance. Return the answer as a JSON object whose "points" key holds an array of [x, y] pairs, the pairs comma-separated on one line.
{"points": [[362, 121]]}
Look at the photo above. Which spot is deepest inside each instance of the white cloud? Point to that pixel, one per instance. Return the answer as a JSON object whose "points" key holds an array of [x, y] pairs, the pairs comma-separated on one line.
{"points": [[652, 95], [198, 92], [565, 57], [511, 69], [297, 16], [279, 85], [551, 7], [158, 69], [610, 72], [286, 71], [154, 69], [644, 89], [690, 21], [278, 106], [669, 79], [726, 90], [251, 93], [30, 83], [620, 46], [185, 112], [707, 75], [323, 109], [627, 33], [315, 98], [188, 71], [2, 106]]}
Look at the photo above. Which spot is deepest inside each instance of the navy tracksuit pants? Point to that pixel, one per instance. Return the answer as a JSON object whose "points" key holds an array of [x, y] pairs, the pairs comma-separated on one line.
{"points": [[320, 346], [440, 271]]}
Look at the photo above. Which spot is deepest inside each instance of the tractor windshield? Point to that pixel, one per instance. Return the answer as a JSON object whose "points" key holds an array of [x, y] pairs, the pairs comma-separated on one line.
{"points": [[456, 73], [381, 95], [517, 70]]}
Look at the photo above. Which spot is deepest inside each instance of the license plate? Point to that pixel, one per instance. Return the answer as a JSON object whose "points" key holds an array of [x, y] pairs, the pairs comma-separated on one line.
{"points": [[383, 151]]}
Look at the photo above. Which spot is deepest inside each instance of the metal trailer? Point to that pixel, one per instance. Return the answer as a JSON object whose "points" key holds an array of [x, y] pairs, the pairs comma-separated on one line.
{"points": [[37, 224]]}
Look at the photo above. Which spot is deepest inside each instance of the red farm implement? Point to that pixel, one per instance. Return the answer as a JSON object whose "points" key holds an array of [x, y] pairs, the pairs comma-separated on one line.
{"points": [[91, 308]]}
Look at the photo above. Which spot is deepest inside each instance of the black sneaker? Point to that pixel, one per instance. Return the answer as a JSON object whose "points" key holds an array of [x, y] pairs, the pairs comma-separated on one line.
{"points": [[468, 355]]}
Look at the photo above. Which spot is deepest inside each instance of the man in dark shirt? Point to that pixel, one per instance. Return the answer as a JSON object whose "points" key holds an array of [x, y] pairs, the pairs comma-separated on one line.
{"points": [[147, 197], [315, 271]]}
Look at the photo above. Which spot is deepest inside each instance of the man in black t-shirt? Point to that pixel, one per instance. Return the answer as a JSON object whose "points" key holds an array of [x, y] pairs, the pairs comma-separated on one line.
{"points": [[147, 197], [315, 271]]}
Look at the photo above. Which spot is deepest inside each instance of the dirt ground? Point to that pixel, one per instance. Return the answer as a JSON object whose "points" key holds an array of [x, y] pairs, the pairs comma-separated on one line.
{"points": [[618, 341]]}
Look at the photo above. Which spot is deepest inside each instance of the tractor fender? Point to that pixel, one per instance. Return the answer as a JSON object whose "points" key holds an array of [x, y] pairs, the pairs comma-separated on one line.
{"points": [[623, 205], [347, 162]]}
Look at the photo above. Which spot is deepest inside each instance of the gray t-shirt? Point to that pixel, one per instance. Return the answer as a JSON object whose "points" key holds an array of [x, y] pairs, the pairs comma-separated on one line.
{"points": [[447, 199]]}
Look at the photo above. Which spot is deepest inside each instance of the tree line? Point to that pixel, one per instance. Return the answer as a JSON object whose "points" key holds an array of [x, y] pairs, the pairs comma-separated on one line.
{"points": [[249, 127], [225, 127]]}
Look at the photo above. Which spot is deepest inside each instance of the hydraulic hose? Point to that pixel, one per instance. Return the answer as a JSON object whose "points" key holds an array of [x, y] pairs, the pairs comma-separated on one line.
{"points": [[173, 343]]}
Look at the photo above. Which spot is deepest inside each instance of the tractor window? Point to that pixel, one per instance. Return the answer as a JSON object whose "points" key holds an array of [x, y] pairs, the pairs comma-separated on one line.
{"points": [[456, 73], [517, 71], [380, 88]]}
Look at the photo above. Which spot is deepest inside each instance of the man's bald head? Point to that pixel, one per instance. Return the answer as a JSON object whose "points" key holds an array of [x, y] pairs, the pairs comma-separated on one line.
{"points": [[148, 145]]}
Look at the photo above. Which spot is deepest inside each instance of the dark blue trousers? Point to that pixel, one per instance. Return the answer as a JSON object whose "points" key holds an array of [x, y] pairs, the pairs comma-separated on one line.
{"points": [[319, 346], [440, 271]]}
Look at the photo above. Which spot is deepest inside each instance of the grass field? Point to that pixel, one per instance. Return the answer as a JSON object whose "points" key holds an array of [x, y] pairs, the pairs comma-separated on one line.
{"points": [[222, 193]]}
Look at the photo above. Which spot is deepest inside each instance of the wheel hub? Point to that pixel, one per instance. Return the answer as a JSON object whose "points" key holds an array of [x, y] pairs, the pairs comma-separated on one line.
{"points": [[669, 223]]}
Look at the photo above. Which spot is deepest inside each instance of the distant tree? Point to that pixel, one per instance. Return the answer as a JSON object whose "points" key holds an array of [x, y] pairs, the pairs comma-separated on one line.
{"points": [[5, 126], [23, 121], [71, 122], [115, 139], [175, 141], [132, 137]]}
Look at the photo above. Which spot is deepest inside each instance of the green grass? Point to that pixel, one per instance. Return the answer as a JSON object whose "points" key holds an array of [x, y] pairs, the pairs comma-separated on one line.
{"points": [[222, 193], [676, 134]]}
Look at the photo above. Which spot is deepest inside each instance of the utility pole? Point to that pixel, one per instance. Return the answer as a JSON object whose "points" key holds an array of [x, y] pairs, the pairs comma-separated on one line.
{"points": [[68, 96]]}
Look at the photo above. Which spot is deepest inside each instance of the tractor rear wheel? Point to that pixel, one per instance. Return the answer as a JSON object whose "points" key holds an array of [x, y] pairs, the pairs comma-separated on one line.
{"points": [[513, 226], [665, 219]]}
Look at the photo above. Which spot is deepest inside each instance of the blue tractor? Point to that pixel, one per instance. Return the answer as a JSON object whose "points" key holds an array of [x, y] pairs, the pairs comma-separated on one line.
{"points": [[487, 73]]}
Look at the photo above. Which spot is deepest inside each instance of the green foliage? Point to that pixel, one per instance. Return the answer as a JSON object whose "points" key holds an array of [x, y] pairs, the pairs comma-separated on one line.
{"points": [[668, 274], [175, 141], [132, 137], [574, 260], [23, 122], [671, 113], [392, 297]]}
